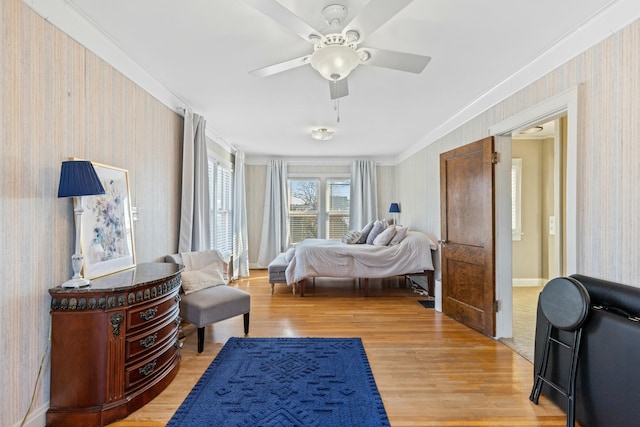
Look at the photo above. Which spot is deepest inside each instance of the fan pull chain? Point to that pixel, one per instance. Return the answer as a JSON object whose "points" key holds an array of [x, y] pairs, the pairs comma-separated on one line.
{"points": [[336, 107]]}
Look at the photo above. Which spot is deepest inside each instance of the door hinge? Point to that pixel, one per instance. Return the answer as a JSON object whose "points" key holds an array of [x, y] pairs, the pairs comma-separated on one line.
{"points": [[496, 306], [495, 157]]}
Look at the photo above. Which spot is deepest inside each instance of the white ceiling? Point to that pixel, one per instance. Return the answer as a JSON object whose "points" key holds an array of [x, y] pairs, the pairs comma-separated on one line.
{"points": [[201, 51]]}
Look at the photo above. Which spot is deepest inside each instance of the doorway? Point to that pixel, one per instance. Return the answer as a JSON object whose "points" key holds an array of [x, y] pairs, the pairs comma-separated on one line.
{"points": [[536, 189], [563, 104]]}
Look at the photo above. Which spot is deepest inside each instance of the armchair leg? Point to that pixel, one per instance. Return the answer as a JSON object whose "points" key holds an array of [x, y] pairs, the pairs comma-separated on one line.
{"points": [[246, 323], [200, 339]]}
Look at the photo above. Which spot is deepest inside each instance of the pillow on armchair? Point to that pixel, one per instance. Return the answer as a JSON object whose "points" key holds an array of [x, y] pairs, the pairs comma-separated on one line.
{"points": [[202, 269]]}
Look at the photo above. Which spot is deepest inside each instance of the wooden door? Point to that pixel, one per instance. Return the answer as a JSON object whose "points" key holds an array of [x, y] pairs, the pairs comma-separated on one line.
{"points": [[467, 246]]}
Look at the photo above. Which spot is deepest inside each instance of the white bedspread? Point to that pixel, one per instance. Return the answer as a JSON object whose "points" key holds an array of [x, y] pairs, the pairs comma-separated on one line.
{"points": [[332, 258]]}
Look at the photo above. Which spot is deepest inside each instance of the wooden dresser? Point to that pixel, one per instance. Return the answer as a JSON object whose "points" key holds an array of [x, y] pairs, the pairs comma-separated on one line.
{"points": [[114, 344]]}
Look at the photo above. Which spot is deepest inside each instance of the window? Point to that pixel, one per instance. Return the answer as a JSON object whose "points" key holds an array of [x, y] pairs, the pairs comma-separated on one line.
{"points": [[516, 199], [303, 209], [312, 216], [337, 208], [220, 208]]}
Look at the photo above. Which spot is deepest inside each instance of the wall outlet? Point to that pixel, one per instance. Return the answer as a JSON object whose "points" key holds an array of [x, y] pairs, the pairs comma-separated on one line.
{"points": [[552, 225]]}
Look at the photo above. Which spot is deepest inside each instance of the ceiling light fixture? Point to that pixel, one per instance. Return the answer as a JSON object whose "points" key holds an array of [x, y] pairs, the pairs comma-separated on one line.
{"points": [[534, 129], [322, 134]]}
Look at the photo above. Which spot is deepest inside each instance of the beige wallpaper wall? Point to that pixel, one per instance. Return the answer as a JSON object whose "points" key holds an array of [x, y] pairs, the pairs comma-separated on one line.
{"points": [[59, 100], [608, 161]]}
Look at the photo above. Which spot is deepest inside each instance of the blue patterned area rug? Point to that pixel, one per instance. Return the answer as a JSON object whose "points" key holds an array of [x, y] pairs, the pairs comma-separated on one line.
{"points": [[285, 382]]}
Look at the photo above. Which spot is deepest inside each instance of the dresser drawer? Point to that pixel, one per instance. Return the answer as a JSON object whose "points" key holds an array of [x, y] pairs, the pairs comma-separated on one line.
{"points": [[149, 339], [151, 313], [140, 373]]}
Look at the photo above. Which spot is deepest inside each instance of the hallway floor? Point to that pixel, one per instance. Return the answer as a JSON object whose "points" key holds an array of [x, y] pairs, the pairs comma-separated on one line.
{"points": [[525, 301]]}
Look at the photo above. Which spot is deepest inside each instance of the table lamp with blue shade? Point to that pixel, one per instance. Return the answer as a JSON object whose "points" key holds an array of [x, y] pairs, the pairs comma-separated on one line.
{"points": [[394, 209], [78, 178]]}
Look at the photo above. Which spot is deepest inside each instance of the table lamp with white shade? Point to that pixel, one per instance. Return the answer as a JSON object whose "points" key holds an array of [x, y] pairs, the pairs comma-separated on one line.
{"points": [[78, 178]]}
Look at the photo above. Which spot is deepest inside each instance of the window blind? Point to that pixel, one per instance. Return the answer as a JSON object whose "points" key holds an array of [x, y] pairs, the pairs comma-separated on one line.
{"points": [[220, 215]]}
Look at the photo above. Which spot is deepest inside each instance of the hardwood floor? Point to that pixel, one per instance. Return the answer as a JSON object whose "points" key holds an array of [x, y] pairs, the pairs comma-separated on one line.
{"points": [[430, 370]]}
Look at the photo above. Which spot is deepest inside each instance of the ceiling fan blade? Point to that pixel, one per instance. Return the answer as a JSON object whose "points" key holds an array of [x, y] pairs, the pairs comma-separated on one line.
{"points": [[284, 16], [280, 67], [338, 88], [396, 60], [374, 15]]}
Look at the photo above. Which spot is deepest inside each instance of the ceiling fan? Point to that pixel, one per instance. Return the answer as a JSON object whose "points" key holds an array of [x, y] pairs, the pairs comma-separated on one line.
{"points": [[338, 52]]}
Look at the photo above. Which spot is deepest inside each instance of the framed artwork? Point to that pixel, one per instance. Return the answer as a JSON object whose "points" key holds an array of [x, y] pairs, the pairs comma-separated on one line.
{"points": [[106, 225]]}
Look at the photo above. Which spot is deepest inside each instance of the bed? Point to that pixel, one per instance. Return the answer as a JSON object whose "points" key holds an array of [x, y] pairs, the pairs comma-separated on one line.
{"points": [[333, 258]]}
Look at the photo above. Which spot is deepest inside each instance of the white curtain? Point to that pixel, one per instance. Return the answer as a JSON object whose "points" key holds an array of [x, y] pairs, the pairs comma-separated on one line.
{"points": [[275, 223], [364, 194], [194, 211], [240, 266]]}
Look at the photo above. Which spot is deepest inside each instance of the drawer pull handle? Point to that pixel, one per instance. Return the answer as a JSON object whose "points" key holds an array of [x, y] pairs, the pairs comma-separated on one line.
{"points": [[177, 298], [148, 368], [149, 341], [177, 320], [149, 314]]}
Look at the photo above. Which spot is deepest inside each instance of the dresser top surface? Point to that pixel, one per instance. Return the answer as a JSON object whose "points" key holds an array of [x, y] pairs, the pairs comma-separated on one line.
{"points": [[139, 275]]}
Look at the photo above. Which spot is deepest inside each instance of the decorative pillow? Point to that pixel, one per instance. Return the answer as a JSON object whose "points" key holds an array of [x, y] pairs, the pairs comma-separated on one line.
{"points": [[365, 232], [196, 280], [401, 233], [202, 269], [378, 227], [351, 237], [385, 237], [290, 253]]}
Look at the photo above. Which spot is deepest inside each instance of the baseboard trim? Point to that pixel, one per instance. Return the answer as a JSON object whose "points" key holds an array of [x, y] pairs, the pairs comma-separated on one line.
{"points": [[37, 417], [529, 282]]}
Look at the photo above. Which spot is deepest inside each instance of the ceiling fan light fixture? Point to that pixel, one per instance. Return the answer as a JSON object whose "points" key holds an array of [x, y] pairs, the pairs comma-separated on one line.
{"points": [[322, 134], [364, 55], [335, 62], [352, 36]]}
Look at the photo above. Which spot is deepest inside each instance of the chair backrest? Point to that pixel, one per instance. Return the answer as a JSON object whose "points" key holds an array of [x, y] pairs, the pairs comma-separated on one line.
{"points": [[174, 259], [565, 303], [216, 255]]}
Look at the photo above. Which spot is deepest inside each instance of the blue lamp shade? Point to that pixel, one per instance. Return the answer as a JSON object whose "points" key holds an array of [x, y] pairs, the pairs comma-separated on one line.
{"points": [[79, 178], [394, 208]]}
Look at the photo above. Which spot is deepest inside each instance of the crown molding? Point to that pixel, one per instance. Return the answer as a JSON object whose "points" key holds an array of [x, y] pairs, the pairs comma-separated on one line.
{"points": [[253, 159], [598, 27]]}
